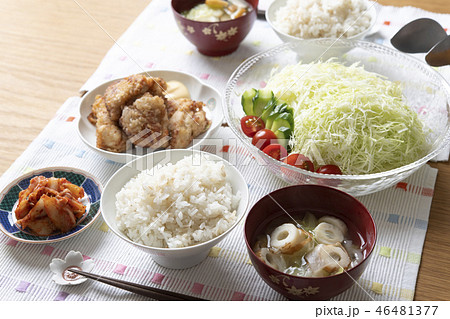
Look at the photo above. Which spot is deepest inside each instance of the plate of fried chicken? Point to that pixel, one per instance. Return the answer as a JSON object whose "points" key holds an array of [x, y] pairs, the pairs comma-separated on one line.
{"points": [[160, 109]]}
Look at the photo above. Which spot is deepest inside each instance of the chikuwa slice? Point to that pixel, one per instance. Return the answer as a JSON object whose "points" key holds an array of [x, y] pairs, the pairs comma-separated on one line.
{"points": [[288, 239], [326, 233]]}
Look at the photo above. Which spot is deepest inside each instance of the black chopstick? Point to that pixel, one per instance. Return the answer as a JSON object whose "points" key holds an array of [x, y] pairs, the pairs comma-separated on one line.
{"points": [[261, 14], [154, 293]]}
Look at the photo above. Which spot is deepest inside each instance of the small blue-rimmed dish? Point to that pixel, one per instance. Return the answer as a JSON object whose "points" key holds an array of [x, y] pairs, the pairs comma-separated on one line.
{"points": [[10, 195]]}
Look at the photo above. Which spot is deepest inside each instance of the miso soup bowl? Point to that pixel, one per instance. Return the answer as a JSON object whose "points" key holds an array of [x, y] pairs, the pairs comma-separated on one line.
{"points": [[214, 38], [318, 200]]}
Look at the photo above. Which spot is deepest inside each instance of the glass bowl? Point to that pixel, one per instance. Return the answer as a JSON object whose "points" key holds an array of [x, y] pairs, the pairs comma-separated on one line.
{"points": [[424, 90]]}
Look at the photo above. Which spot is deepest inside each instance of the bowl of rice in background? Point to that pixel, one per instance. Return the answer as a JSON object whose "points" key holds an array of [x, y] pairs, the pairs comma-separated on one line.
{"points": [[175, 204], [294, 20]]}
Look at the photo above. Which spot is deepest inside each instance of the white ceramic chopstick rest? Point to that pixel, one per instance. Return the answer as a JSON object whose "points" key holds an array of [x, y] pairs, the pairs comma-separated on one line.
{"points": [[74, 259]]}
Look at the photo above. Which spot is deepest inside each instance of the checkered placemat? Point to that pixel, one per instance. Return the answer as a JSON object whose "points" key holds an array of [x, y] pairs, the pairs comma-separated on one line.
{"points": [[400, 212]]}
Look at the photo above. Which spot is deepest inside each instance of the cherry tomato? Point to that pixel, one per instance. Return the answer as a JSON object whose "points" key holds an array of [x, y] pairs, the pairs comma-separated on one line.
{"points": [[329, 169], [300, 161], [276, 151], [264, 137], [251, 124]]}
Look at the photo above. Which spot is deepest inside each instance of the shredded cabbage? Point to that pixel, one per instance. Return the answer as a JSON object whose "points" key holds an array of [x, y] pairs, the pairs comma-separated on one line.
{"points": [[349, 117]]}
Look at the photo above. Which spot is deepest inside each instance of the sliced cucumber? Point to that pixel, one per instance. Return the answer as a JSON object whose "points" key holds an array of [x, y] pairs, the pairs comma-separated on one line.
{"points": [[284, 108], [283, 132], [274, 114], [247, 101], [270, 119], [268, 110], [280, 108], [283, 135], [283, 119], [289, 110], [263, 98]]}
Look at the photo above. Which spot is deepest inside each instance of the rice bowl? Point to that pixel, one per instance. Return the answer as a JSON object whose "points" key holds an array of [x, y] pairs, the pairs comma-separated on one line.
{"points": [[322, 19], [297, 20], [177, 205], [174, 258]]}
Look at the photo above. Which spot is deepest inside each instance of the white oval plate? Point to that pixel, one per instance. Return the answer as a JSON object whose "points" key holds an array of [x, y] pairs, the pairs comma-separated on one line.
{"points": [[198, 90]]}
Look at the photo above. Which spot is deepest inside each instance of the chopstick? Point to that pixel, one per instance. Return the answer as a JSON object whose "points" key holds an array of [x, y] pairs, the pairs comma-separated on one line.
{"points": [[261, 14], [155, 293]]}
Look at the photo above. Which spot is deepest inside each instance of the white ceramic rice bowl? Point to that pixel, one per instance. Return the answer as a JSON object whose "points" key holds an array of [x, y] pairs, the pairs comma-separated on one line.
{"points": [[277, 4], [175, 258]]}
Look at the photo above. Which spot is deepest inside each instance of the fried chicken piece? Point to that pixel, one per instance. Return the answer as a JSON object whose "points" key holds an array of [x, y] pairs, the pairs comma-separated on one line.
{"points": [[92, 117], [157, 86], [109, 135], [123, 93], [145, 122], [171, 107], [187, 122]]}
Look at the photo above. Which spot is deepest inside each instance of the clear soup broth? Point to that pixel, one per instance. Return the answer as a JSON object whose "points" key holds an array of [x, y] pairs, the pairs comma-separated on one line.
{"points": [[309, 244]]}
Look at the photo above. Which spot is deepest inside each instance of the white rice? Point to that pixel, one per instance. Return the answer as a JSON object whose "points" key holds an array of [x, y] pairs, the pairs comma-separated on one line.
{"points": [[308, 19], [177, 205]]}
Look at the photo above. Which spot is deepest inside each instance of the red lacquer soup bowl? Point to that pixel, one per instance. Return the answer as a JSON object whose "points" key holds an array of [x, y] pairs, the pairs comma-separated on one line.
{"points": [[214, 38], [318, 200]]}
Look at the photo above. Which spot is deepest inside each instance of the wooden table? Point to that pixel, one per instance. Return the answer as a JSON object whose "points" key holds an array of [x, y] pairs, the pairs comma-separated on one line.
{"points": [[48, 49]]}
